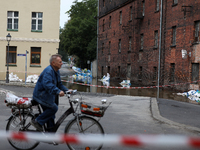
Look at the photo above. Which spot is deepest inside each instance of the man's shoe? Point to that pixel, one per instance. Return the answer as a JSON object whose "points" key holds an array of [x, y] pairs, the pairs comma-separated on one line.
{"points": [[36, 125]]}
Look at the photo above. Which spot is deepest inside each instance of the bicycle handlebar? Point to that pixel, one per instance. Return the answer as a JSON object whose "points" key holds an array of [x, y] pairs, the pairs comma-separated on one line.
{"points": [[71, 92]]}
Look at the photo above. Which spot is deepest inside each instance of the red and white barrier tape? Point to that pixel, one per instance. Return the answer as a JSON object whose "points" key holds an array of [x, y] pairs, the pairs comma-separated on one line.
{"points": [[109, 140], [112, 87]]}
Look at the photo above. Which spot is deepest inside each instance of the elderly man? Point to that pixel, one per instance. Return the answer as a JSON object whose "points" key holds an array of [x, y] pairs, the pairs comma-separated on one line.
{"points": [[47, 91]]}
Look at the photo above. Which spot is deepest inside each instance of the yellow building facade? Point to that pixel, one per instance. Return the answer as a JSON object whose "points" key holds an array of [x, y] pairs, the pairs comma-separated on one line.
{"points": [[34, 26]]}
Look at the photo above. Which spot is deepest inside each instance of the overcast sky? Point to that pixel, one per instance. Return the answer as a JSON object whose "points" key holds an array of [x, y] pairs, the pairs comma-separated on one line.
{"points": [[65, 5]]}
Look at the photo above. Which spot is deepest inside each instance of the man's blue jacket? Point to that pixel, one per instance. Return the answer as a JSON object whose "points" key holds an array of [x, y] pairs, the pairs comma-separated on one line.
{"points": [[46, 87]]}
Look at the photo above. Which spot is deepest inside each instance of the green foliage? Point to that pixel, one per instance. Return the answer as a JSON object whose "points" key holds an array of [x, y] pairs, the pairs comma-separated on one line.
{"points": [[79, 35]]}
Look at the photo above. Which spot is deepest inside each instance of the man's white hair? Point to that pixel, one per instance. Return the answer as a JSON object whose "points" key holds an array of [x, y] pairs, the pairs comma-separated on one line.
{"points": [[53, 57]]}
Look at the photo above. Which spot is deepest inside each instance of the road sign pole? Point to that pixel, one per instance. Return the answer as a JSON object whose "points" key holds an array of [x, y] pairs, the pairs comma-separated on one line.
{"points": [[26, 66]]}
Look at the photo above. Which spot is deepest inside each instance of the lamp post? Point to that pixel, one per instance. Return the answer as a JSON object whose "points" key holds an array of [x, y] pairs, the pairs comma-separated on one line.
{"points": [[8, 38]]}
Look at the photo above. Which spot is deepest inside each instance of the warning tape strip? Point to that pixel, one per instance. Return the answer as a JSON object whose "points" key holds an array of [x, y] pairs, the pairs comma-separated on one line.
{"points": [[109, 140], [112, 87]]}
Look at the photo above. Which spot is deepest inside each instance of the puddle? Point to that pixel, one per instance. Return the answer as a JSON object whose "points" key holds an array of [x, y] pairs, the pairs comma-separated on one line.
{"points": [[150, 92]]}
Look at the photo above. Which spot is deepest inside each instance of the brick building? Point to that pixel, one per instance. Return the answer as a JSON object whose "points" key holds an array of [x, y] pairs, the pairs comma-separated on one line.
{"points": [[128, 41]]}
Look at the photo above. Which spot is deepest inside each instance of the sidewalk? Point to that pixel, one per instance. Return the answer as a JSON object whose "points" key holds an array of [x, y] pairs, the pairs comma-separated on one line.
{"points": [[181, 114]]}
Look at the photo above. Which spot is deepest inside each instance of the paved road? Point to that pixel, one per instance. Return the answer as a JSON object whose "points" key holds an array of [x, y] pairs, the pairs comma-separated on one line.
{"points": [[126, 115]]}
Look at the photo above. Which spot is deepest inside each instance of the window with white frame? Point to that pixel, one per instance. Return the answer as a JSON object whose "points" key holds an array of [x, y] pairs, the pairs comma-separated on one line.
{"points": [[12, 20], [37, 21]]}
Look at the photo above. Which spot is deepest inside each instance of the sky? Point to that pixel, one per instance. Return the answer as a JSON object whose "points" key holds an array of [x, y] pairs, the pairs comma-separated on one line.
{"points": [[65, 5]]}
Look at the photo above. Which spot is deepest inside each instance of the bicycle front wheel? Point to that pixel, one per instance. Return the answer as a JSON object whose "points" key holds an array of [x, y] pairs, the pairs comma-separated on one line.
{"points": [[21, 123], [85, 125]]}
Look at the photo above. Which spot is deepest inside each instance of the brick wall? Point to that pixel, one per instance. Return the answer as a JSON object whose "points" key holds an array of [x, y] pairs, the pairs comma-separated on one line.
{"points": [[144, 62]]}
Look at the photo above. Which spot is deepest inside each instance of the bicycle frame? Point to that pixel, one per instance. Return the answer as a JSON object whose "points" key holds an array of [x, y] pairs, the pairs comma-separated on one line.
{"points": [[63, 117]]}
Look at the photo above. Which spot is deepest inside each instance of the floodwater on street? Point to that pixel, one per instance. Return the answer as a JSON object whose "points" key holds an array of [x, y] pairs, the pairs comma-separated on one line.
{"points": [[149, 92]]}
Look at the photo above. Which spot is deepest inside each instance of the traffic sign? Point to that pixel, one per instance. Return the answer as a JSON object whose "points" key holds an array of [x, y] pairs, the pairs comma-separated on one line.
{"points": [[21, 54]]}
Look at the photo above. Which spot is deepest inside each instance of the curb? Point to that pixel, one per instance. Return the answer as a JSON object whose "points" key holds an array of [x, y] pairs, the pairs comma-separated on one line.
{"points": [[17, 84], [156, 115]]}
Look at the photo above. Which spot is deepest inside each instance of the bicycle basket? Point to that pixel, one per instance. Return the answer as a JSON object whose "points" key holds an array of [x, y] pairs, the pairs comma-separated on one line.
{"points": [[93, 110]]}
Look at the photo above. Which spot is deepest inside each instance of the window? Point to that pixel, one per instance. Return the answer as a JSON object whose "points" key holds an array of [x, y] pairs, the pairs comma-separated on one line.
{"points": [[129, 49], [102, 71], [140, 73], [175, 2], [174, 36], [103, 3], [196, 31], [102, 48], [118, 71], [156, 39], [143, 7], [108, 69], [154, 73], [13, 17], [36, 21], [157, 5], [172, 72], [110, 19], [195, 71], [130, 13], [103, 25], [119, 45], [35, 55], [141, 41], [120, 17], [12, 54], [109, 47]]}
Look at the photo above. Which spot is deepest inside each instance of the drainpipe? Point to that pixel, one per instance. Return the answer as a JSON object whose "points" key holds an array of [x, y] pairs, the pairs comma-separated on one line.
{"points": [[97, 36], [161, 7]]}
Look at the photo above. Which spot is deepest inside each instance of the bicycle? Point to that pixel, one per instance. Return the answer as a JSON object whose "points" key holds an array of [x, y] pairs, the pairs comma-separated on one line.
{"points": [[82, 123]]}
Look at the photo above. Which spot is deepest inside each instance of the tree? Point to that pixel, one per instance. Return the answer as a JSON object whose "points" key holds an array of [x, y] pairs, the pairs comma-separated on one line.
{"points": [[80, 33]]}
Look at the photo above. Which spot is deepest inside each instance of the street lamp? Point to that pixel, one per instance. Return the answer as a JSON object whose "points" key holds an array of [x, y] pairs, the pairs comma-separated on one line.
{"points": [[8, 38]]}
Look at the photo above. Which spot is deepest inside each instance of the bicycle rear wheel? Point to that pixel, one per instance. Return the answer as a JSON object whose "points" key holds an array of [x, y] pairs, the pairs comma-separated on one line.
{"points": [[21, 123], [88, 126]]}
